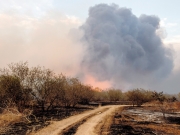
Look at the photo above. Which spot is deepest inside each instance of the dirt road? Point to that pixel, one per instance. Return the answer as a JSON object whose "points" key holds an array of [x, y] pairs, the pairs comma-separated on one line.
{"points": [[92, 119], [88, 127]]}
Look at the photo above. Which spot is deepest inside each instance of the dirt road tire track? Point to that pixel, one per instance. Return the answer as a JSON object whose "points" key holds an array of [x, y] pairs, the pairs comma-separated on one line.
{"points": [[86, 123], [72, 128], [57, 127], [103, 128], [89, 127]]}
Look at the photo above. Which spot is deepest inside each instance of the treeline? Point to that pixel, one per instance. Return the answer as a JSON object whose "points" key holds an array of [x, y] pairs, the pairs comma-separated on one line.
{"points": [[136, 97], [27, 88]]}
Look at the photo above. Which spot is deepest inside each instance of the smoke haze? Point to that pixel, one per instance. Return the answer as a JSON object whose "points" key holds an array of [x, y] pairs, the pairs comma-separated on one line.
{"points": [[42, 40], [112, 48]]}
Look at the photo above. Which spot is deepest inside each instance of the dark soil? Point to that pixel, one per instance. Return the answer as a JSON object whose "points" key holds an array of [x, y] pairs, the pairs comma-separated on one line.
{"points": [[174, 120], [42, 120], [123, 129], [24, 128], [128, 124]]}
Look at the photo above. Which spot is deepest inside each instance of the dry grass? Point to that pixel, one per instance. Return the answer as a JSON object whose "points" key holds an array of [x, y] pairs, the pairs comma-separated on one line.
{"points": [[170, 107], [7, 118]]}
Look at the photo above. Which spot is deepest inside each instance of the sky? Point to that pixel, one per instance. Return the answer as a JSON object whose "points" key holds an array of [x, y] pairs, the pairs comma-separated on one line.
{"points": [[62, 36]]}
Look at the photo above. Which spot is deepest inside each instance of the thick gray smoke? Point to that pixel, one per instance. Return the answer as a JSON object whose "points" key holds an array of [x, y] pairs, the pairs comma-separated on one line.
{"points": [[121, 45]]}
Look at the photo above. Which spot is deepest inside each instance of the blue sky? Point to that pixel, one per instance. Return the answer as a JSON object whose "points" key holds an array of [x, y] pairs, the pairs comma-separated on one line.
{"points": [[166, 10], [45, 33], [161, 8]]}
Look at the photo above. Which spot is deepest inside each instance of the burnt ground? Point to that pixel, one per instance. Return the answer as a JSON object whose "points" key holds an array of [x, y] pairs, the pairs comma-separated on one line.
{"points": [[42, 120], [129, 121], [144, 121]]}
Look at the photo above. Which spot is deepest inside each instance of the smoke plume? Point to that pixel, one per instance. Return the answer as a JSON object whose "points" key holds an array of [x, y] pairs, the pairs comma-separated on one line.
{"points": [[122, 47]]}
